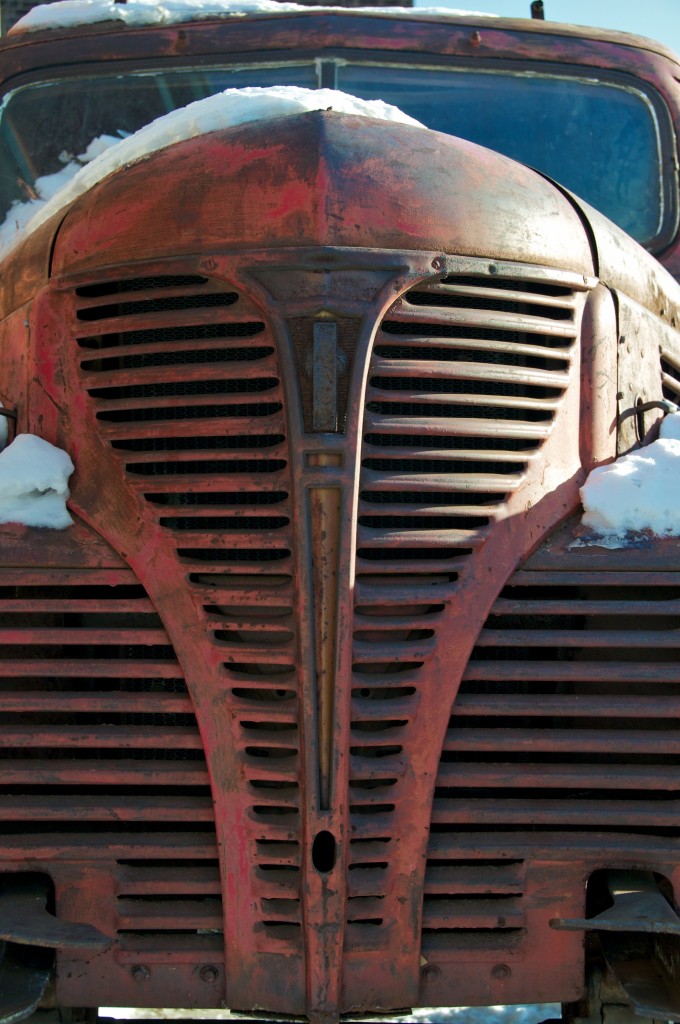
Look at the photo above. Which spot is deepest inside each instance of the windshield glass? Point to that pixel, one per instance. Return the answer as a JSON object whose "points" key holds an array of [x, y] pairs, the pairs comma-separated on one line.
{"points": [[600, 139], [45, 127]]}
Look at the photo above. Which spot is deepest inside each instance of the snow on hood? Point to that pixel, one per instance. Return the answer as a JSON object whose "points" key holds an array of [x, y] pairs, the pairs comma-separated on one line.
{"points": [[108, 153], [637, 494], [34, 483], [69, 13]]}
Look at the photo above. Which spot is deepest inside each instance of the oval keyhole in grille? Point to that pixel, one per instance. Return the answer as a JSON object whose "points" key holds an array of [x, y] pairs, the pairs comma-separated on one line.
{"points": [[324, 851]]}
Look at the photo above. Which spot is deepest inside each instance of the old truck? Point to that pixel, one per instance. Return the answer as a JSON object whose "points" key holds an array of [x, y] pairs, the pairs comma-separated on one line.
{"points": [[319, 709]]}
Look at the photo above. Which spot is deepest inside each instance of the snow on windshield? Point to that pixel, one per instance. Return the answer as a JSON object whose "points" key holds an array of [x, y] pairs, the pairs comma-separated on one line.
{"points": [[636, 496], [69, 13], [108, 153], [34, 483], [20, 215]]}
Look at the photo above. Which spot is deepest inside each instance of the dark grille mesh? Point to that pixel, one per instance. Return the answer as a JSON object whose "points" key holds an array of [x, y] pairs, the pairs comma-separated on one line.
{"points": [[450, 411], [190, 412], [141, 284], [157, 305], [166, 335], [186, 389]]}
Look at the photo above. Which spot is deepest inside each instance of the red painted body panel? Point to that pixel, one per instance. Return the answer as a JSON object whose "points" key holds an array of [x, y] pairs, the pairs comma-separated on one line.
{"points": [[324, 179]]}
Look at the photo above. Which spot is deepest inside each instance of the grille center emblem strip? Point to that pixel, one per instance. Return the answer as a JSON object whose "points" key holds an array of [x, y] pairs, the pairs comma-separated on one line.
{"points": [[325, 376], [324, 517]]}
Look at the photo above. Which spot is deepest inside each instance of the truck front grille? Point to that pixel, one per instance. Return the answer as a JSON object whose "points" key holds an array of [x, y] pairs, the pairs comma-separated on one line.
{"points": [[204, 401], [170, 908], [471, 902], [670, 376]]}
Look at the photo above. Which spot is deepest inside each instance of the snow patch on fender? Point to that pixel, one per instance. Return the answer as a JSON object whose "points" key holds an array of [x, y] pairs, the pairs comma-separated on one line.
{"points": [[637, 496], [226, 109], [34, 483]]}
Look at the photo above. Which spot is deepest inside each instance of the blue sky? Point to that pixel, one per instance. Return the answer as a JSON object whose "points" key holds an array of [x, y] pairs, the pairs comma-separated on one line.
{"points": [[659, 19]]}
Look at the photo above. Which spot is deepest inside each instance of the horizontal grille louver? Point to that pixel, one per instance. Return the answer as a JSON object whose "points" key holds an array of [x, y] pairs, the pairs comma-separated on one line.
{"points": [[183, 375], [471, 902], [168, 906], [464, 382]]}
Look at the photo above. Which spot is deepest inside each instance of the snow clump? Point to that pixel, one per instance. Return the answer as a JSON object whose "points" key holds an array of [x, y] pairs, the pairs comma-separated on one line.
{"points": [[34, 483], [20, 215], [637, 494]]}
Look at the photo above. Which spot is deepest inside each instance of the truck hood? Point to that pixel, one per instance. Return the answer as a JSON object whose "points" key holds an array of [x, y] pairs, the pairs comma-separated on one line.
{"points": [[322, 178]]}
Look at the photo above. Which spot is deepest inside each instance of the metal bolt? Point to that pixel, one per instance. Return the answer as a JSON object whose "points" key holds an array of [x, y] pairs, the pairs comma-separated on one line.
{"points": [[140, 972], [430, 973], [501, 972], [209, 975]]}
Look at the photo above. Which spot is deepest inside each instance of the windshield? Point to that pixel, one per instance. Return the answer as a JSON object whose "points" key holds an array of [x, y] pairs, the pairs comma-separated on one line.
{"points": [[45, 126], [600, 139]]}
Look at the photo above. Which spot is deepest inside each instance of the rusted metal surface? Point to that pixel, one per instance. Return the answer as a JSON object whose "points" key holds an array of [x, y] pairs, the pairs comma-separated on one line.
{"points": [[370, 890], [324, 515], [521, 42], [467, 414], [83, 645], [317, 709], [505, 37], [565, 721], [287, 186]]}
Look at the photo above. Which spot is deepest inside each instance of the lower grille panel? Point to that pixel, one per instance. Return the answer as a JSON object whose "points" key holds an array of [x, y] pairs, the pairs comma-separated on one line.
{"points": [[100, 755]]}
